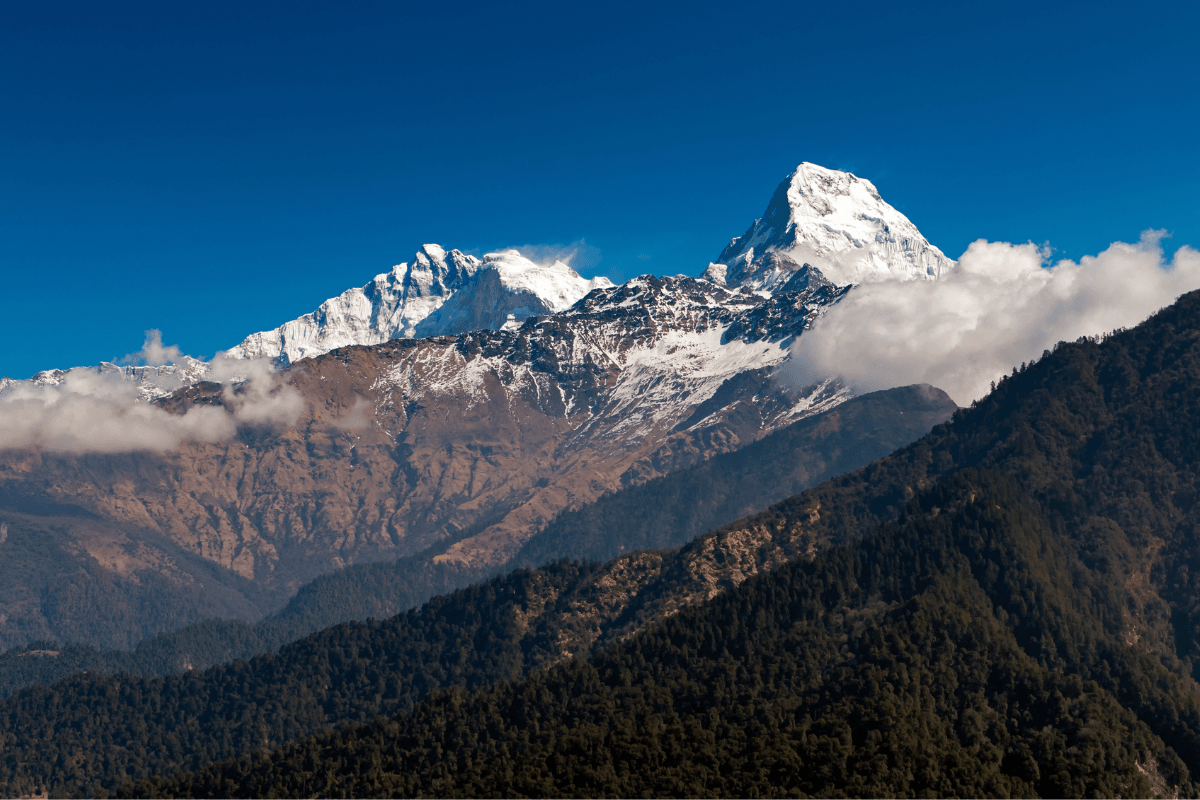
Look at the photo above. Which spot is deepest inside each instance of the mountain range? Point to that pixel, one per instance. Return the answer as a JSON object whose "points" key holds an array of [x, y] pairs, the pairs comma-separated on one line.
{"points": [[532, 391]]}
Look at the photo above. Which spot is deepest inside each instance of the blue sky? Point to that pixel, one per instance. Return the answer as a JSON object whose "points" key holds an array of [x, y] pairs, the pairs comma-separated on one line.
{"points": [[215, 169]]}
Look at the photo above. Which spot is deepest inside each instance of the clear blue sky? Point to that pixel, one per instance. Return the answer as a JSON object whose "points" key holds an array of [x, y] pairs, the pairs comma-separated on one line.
{"points": [[213, 169]]}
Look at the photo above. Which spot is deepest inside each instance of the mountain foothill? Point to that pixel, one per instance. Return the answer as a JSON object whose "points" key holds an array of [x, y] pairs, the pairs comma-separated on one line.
{"points": [[610, 550]]}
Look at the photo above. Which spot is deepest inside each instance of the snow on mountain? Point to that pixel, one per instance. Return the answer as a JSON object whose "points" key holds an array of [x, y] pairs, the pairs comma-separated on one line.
{"points": [[822, 229], [664, 346], [506, 290], [440, 293], [835, 222]]}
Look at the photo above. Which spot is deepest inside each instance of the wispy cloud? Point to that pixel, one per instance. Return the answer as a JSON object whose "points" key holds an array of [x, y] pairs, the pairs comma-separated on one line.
{"points": [[91, 411], [1004, 304]]}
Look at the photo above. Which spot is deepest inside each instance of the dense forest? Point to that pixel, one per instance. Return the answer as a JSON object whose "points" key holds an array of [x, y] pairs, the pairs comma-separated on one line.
{"points": [[666, 512], [88, 734], [1006, 606], [960, 651]]}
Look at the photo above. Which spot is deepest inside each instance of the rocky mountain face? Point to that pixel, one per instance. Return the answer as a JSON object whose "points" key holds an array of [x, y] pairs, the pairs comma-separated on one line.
{"points": [[834, 221], [661, 513]]}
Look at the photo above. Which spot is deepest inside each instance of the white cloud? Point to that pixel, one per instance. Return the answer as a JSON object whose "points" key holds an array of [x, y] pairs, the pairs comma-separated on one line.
{"points": [[92, 411], [264, 401], [153, 352], [358, 417], [1001, 306]]}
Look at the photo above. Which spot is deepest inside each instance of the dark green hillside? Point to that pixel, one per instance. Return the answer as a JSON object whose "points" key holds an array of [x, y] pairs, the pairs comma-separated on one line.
{"points": [[92, 732], [1106, 436], [663, 513], [961, 652]]}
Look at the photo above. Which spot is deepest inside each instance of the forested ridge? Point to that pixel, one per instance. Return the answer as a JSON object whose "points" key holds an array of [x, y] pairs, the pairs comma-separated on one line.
{"points": [[958, 652], [666, 512], [1022, 619], [89, 733]]}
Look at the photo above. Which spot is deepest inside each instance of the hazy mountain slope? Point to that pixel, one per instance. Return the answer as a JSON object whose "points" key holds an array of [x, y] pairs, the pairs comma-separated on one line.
{"points": [[800, 455], [671, 510]]}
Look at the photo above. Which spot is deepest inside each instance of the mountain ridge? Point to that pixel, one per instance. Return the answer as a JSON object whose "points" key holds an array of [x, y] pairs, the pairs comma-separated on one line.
{"points": [[821, 227], [480, 438]]}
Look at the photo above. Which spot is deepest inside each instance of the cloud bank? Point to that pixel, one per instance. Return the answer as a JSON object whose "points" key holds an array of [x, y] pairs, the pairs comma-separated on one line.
{"points": [[101, 410], [1001, 306]]}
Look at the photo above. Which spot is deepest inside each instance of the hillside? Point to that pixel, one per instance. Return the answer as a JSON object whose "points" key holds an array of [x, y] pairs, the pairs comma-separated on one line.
{"points": [[670, 511], [665, 512], [306, 687]]}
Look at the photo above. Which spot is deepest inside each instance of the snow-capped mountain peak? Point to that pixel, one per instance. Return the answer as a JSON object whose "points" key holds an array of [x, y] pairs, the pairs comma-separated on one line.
{"points": [[440, 292], [835, 222]]}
